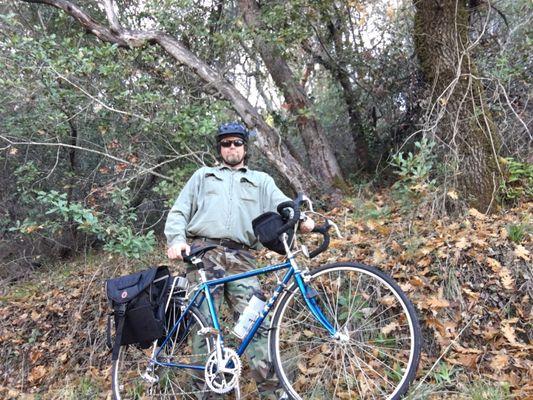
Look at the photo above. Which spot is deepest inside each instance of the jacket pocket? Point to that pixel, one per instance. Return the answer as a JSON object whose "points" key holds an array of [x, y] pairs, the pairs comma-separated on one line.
{"points": [[248, 191], [213, 184]]}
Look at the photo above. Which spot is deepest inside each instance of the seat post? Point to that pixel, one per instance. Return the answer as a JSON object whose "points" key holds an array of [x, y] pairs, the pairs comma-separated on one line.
{"points": [[197, 262]]}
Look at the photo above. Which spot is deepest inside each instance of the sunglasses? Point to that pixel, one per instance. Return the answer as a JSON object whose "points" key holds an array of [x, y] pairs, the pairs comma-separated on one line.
{"points": [[228, 143]]}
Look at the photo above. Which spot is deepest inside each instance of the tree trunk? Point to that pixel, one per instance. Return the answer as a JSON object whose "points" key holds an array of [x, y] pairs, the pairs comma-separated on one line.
{"points": [[268, 140], [320, 154], [463, 121]]}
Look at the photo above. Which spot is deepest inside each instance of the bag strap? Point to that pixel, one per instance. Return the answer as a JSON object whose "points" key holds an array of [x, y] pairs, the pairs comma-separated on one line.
{"points": [[108, 341], [121, 314]]}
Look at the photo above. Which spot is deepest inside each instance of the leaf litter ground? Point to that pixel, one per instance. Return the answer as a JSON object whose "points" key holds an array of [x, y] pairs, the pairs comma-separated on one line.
{"points": [[471, 285]]}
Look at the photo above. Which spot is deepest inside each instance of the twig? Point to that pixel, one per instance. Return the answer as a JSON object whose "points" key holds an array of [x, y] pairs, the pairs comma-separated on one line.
{"points": [[59, 144]]}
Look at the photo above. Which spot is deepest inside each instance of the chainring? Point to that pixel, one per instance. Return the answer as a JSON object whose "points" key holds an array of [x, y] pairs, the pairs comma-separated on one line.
{"points": [[226, 378]]}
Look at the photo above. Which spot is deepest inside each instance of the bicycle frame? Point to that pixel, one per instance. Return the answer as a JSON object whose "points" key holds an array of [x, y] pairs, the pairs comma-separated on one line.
{"points": [[205, 289]]}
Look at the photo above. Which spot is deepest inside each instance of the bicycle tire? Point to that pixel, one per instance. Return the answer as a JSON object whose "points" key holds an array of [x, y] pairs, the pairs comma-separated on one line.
{"points": [[379, 355], [176, 383]]}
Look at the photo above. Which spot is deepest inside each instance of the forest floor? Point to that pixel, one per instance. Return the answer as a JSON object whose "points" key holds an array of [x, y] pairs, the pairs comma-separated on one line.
{"points": [[470, 278]]}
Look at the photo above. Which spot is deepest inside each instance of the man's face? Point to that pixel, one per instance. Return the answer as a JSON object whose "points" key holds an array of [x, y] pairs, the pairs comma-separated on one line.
{"points": [[232, 155]]}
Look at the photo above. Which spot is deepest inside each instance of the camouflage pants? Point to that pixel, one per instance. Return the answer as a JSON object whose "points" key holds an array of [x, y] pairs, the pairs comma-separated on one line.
{"points": [[217, 264]]}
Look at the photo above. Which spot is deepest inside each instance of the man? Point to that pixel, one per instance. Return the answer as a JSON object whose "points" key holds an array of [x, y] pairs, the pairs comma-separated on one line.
{"points": [[217, 206]]}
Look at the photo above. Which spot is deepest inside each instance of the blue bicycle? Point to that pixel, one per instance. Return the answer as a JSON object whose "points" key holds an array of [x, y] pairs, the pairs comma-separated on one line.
{"points": [[340, 331]]}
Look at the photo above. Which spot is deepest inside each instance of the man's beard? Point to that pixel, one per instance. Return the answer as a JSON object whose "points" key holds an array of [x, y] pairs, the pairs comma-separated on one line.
{"points": [[233, 159]]}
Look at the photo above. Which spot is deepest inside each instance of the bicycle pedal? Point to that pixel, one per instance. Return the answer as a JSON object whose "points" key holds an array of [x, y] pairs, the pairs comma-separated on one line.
{"points": [[311, 293], [208, 330]]}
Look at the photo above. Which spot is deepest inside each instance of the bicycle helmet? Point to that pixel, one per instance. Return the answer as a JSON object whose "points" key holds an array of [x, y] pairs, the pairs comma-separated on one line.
{"points": [[232, 129]]}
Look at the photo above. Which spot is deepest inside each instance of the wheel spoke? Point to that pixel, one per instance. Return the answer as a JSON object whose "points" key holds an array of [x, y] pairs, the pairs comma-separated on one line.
{"points": [[372, 356], [173, 382]]}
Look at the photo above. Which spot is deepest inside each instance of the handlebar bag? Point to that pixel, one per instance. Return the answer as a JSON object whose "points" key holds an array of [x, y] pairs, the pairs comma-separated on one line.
{"points": [[266, 228], [138, 302]]}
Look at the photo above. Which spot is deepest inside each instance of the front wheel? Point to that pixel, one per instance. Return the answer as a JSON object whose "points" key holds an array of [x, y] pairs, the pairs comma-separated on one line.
{"points": [[376, 350]]}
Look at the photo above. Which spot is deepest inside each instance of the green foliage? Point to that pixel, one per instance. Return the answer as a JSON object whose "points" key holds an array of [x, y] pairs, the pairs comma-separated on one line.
{"points": [[443, 373], [171, 190], [370, 210], [518, 180], [414, 171], [482, 390], [518, 232], [118, 234]]}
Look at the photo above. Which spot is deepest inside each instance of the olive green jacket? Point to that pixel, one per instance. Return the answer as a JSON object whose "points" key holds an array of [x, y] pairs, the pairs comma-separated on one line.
{"points": [[220, 203]]}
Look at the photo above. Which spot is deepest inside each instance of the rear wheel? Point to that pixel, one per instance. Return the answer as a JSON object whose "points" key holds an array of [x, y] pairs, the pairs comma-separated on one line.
{"points": [[376, 352], [133, 379]]}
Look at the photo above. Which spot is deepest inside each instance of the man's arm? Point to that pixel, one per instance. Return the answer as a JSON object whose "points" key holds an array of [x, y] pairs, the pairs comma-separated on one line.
{"points": [[276, 197], [179, 217]]}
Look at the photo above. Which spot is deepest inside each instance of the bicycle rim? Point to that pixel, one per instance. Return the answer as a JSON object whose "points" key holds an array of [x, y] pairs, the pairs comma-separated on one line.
{"points": [[378, 353], [128, 374]]}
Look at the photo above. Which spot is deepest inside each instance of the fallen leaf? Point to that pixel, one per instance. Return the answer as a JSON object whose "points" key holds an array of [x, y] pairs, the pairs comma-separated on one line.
{"points": [[494, 264], [499, 362], [434, 302], [462, 243], [471, 293], [35, 316], [466, 360], [452, 194], [476, 214], [379, 256], [507, 279], [35, 356], [509, 332], [417, 281], [521, 252], [389, 328], [37, 374], [489, 332], [121, 167], [466, 350]]}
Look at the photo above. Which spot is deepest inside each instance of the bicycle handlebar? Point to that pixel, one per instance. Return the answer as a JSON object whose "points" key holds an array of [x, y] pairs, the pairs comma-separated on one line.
{"points": [[295, 206], [323, 230]]}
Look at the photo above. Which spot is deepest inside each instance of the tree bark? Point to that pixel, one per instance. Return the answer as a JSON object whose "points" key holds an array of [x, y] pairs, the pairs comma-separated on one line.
{"points": [[463, 121], [268, 140], [319, 151]]}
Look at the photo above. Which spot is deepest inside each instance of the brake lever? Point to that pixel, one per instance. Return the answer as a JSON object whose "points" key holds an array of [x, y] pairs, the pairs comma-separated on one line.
{"points": [[309, 202], [337, 230]]}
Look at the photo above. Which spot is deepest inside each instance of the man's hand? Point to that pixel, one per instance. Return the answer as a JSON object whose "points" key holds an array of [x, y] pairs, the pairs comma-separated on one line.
{"points": [[307, 225], [174, 252]]}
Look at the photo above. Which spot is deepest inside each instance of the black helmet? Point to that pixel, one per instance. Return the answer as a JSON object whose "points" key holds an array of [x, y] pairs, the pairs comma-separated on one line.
{"points": [[232, 129]]}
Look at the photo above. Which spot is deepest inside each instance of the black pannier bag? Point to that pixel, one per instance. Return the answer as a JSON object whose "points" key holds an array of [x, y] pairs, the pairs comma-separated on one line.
{"points": [[266, 228], [138, 302]]}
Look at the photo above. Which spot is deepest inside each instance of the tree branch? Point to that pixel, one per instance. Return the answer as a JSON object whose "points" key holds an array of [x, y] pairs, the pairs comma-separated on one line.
{"points": [[267, 138], [110, 10], [85, 20], [143, 170]]}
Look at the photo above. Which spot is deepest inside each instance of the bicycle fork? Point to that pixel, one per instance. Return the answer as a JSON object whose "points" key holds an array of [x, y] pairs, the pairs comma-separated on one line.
{"points": [[309, 295]]}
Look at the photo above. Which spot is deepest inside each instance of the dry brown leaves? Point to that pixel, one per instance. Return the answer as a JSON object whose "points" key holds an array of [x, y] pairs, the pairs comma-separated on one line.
{"points": [[54, 334], [457, 272]]}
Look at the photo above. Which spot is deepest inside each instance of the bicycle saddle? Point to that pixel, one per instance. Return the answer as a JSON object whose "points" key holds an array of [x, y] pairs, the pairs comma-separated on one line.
{"points": [[198, 251]]}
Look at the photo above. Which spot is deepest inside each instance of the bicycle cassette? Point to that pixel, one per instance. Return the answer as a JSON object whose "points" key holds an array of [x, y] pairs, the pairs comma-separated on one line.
{"points": [[223, 376]]}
